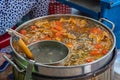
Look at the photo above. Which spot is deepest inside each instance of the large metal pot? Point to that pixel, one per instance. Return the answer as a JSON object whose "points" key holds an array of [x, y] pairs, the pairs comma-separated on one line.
{"points": [[104, 73], [65, 71]]}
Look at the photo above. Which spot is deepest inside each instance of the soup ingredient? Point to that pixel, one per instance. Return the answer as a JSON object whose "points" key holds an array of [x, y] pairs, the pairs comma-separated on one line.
{"points": [[89, 60], [23, 32], [94, 52], [33, 27]]}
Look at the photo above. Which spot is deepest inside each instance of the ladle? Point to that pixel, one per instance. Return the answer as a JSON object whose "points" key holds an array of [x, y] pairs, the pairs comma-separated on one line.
{"points": [[49, 51], [44, 51]]}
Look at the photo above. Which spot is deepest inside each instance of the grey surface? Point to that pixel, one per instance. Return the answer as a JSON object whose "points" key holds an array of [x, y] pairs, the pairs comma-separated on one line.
{"points": [[89, 4]]}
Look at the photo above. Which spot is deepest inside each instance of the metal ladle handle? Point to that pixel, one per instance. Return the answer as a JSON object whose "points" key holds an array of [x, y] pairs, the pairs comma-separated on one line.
{"points": [[17, 37], [26, 50], [13, 32]]}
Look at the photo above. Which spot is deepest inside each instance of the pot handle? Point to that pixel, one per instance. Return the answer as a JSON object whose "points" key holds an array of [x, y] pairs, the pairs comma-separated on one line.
{"points": [[13, 64], [103, 19]]}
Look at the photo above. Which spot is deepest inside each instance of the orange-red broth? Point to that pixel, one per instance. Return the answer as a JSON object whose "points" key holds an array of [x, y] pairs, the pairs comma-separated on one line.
{"points": [[86, 40]]}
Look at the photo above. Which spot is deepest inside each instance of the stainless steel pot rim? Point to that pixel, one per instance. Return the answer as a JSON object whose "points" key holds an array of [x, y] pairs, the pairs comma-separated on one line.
{"points": [[69, 15]]}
